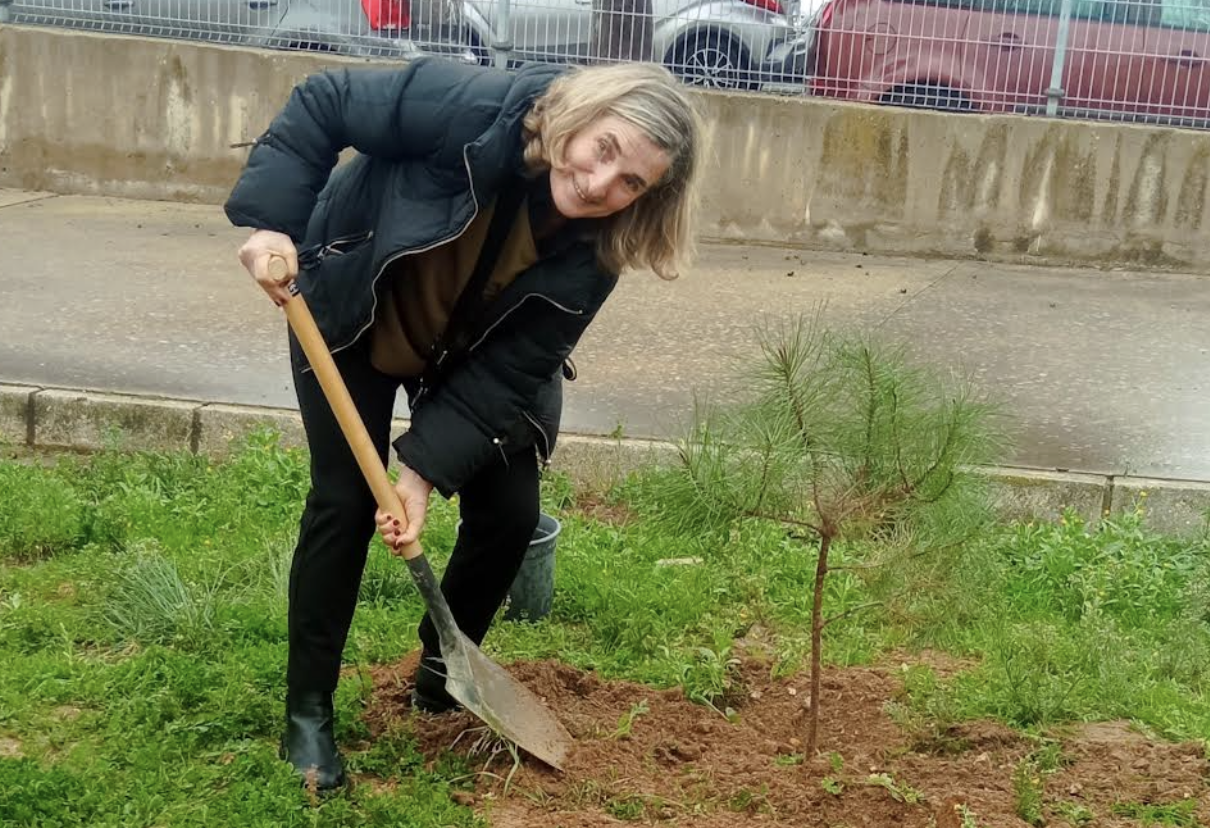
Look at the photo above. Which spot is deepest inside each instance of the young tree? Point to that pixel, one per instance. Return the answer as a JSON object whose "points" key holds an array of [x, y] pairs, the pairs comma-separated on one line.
{"points": [[837, 438]]}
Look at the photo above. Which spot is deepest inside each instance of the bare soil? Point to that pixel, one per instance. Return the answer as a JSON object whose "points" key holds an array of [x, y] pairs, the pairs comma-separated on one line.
{"points": [[684, 764]]}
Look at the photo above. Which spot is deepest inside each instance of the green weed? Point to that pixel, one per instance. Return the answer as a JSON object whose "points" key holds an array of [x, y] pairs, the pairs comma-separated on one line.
{"points": [[626, 721], [968, 817], [627, 808], [1027, 790], [754, 802], [150, 603], [1179, 814], [41, 516], [1074, 814], [899, 791]]}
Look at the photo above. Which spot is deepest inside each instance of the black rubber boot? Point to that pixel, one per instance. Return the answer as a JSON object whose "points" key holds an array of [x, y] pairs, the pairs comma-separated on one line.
{"points": [[308, 744], [428, 694]]}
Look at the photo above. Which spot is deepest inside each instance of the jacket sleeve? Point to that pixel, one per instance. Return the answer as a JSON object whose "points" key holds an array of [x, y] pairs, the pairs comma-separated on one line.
{"points": [[461, 425], [383, 113]]}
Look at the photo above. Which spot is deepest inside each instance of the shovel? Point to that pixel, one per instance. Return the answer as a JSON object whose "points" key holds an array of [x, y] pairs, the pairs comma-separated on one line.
{"points": [[481, 685]]}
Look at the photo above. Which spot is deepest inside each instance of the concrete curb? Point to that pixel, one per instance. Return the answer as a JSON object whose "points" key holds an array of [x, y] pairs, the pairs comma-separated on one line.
{"points": [[64, 419]]}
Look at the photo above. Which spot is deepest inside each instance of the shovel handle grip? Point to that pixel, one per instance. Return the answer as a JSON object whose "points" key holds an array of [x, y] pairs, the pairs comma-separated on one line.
{"points": [[337, 394]]}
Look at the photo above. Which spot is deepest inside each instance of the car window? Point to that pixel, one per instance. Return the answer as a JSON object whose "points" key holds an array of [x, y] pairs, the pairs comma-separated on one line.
{"points": [[949, 4], [1130, 12], [1186, 14]]}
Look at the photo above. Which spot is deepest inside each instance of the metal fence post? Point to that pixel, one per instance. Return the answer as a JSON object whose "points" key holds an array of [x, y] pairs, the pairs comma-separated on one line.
{"points": [[1055, 93], [503, 45]]}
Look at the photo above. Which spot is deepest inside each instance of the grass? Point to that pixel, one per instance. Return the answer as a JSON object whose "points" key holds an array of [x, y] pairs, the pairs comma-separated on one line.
{"points": [[142, 629], [1177, 814]]}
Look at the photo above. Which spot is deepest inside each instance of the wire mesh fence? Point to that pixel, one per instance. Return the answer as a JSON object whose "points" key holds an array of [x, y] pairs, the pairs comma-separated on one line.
{"points": [[718, 43], [1134, 60]]}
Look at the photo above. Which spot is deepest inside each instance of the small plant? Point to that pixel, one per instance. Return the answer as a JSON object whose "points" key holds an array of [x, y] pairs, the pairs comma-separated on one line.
{"points": [[832, 785], [967, 816], [788, 760], [1027, 787], [150, 603], [626, 721], [1178, 814], [839, 439], [627, 808], [1074, 814], [711, 677], [1036, 662], [899, 791], [746, 801], [1049, 758], [835, 762]]}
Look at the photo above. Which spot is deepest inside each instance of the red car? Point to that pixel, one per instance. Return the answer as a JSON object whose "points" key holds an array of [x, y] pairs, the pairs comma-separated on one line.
{"points": [[1138, 61]]}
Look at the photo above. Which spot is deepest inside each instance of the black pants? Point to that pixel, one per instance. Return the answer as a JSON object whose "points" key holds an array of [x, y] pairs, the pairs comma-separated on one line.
{"points": [[499, 510]]}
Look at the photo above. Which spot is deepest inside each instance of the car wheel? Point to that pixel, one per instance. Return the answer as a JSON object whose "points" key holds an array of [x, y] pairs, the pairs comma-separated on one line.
{"points": [[711, 60], [928, 96]]}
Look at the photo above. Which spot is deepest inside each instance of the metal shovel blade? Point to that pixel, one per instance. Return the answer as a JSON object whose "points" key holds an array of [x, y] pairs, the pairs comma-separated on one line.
{"points": [[484, 688]]}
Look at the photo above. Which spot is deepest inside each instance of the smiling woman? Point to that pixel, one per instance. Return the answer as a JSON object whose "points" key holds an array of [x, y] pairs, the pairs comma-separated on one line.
{"points": [[460, 255], [604, 169]]}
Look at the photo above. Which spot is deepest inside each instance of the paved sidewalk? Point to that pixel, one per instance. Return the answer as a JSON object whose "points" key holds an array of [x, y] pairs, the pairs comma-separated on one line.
{"points": [[1102, 372]]}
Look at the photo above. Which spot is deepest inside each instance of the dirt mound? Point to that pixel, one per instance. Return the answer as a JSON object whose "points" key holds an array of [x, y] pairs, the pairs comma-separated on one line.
{"points": [[645, 755]]}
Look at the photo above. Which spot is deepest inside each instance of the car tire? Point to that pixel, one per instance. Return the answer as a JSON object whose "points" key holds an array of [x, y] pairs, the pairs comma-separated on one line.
{"points": [[711, 60], [928, 96]]}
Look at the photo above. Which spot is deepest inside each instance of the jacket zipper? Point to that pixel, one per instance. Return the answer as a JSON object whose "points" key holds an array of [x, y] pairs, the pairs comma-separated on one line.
{"points": [[335, 245], [400, 254], [541, 433], [532, 420], [516, 305]]}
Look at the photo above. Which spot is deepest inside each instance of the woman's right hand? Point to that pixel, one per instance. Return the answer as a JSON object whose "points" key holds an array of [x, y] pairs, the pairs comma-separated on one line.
{"points": [[261, 248]]}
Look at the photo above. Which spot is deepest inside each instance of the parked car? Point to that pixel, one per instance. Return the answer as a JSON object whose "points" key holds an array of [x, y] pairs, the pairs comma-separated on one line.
{"points": [[712, 43], [1137, 60], [791, 63], [356, 28], [717, 43]]}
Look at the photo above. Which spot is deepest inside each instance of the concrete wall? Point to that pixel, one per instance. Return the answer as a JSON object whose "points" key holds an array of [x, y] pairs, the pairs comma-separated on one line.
{"points": [[64, 419], [879, 178], [82, 113], [132, 117]]}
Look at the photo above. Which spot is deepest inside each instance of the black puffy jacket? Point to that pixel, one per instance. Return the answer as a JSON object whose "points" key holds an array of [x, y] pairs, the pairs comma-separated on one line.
{"points": [[435, 140]]}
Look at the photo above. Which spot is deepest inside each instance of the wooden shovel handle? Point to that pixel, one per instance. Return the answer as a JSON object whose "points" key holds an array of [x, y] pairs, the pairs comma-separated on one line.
{"points": [[337, 394]]}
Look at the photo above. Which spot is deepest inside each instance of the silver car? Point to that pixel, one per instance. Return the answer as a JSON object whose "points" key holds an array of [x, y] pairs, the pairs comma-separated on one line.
{"points": [[356, 28], [716, 43], [713, 43]]}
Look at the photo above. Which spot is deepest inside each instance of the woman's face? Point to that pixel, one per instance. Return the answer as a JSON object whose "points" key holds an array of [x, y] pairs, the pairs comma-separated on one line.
{"points": [[605, 167]]}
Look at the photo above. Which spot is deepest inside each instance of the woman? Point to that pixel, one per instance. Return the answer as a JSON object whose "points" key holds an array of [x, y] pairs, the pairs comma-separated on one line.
{"points": [[592, 170]]}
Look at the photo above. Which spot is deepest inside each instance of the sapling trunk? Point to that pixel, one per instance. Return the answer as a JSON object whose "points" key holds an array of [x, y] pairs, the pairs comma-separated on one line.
{"points": [[817, 624]]}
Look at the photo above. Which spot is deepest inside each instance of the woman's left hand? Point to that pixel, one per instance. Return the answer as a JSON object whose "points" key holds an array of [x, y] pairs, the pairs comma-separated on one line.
{"points": [[414, 492]]}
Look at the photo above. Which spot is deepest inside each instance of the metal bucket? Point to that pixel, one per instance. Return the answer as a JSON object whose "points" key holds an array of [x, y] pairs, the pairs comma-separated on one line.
{"points": [[533, 590]]}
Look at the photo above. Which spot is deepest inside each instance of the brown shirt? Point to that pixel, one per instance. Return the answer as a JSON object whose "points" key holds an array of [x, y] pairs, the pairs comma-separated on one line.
{"points": [[422, 289]]}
